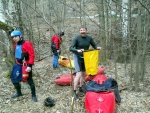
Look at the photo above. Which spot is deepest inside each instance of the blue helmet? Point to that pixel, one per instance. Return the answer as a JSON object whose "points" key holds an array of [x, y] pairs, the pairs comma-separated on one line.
{"points": [[16, 33]]}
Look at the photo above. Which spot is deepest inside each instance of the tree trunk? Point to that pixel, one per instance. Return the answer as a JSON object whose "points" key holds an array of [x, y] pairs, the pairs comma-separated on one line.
{"points": [[138, 49]]}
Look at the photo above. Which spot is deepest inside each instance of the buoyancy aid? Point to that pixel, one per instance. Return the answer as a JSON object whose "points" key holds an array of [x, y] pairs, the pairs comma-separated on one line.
{"points": [[24, 50]]}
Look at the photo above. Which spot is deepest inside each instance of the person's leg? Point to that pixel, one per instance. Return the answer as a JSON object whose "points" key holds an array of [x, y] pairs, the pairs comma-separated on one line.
{"points": [[16, 77], [82, 78], [82, 81], [32, 87], [78, 75], [55, 60], [76, 82], [18, 90]]}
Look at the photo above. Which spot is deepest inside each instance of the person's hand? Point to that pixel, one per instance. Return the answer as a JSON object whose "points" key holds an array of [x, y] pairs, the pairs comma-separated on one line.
{"points": [[28, 69], [80, 50], [57, 51], [99, 48]]}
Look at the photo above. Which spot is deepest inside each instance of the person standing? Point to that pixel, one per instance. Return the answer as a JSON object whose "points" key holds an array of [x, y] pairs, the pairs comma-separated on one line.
{"points": [[56, 40], [79, 44], [24, 53]]}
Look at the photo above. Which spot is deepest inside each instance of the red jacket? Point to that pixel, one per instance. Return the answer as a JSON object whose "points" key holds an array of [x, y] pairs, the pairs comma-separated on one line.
{"points": [[57, 41], [27, 52]]}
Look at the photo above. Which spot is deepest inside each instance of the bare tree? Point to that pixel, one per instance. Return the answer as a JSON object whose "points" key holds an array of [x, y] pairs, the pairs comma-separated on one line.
{"points": [[121, 27]]}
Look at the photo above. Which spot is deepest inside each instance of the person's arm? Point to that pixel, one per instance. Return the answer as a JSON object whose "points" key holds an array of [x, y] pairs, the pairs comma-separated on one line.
{"points": [[94, 45], [60, 40], [73, 45], [30, 51], [59, 47]]}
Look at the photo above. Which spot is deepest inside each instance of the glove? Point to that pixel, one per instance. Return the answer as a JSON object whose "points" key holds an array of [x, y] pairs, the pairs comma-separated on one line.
{"points": [[57, 51], [80, 50], [28, 69], [99, 48]]}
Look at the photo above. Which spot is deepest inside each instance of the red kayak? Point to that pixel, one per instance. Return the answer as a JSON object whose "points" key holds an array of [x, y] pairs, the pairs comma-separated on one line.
{"points": [[66, 79], [102, 102]]}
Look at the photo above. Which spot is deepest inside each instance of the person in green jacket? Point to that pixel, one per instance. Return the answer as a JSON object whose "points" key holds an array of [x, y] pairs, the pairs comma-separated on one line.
{"points": [[79, 44]]}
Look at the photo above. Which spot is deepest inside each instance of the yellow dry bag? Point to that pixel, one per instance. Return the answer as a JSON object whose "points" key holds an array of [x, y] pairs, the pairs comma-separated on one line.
{"points": [[91, 59]]}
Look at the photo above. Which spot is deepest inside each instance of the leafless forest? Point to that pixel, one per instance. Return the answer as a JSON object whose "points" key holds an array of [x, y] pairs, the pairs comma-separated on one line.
{"points": [[120, 27]]}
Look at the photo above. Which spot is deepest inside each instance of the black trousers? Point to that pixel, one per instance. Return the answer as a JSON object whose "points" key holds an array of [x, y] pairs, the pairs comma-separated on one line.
{"points": [[31, 84]]}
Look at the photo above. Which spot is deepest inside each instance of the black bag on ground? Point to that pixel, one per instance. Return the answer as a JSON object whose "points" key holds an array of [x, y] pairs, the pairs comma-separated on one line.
{"points": [[49, 102]]}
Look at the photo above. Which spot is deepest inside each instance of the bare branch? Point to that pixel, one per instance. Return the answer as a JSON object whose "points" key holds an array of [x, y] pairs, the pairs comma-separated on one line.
{"points": [[144, 6]]}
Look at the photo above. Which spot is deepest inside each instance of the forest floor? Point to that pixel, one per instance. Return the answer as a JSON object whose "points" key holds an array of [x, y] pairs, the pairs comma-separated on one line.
{"points": [[132, 102]]}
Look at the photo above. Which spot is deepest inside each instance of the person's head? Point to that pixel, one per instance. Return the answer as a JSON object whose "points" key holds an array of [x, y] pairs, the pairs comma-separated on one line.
{"points": [[61, 33], [16, 35], [83, 31]]}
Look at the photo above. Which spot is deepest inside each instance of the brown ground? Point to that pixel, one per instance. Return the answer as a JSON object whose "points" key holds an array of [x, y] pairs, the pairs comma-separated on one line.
{"points": [[132, 102]]}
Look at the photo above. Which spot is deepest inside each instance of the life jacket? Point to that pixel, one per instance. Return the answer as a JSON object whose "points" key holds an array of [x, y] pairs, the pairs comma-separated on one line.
{"points": [[18, 51], [24, 51]]}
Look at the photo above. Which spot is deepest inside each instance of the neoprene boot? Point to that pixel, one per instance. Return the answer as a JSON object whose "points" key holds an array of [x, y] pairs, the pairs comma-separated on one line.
{"points": [[16, 95], [34, 98], [75, 95], [82, 90], [32, 87], [18, 90]]}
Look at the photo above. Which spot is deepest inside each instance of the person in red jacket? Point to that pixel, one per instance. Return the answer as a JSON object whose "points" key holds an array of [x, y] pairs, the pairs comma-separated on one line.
{"points": [[24, 53], [55, 46]]}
